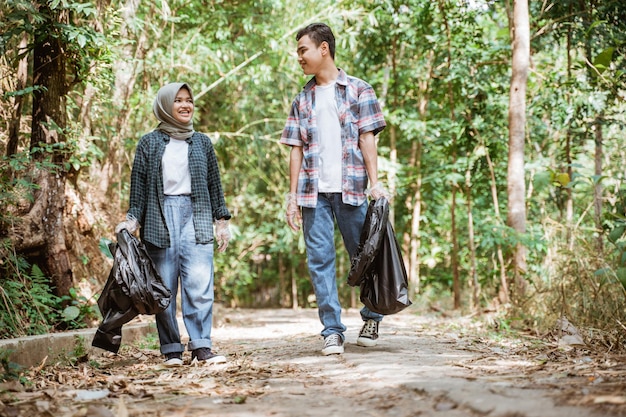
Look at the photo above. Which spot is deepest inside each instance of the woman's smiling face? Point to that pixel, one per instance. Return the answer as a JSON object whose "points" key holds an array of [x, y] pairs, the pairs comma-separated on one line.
{"points": [[183, 106]]}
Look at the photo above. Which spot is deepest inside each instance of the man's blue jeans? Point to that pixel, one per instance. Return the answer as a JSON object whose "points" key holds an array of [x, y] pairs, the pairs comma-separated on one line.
{"points": [[319, 228], [190, 264]]}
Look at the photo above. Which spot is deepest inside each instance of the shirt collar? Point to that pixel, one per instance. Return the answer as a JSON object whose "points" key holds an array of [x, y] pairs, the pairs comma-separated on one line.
{"points": [[166, 138], [342, 79]]}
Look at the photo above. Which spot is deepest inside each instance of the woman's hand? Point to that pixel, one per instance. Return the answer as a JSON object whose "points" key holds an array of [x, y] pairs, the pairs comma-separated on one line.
{"points": [[222, 234]]}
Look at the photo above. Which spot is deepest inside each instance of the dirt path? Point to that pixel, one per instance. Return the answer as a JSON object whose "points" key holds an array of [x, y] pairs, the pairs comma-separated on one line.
{"points": [[422, 366]]}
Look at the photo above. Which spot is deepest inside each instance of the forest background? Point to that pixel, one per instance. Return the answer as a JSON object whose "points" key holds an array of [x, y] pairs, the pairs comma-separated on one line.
{"points": [[78, 80]]}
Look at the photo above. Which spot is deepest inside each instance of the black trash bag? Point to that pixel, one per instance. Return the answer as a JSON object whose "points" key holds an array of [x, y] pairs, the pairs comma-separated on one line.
{"points": [[385, 289], [370, 240], [133, 287]]}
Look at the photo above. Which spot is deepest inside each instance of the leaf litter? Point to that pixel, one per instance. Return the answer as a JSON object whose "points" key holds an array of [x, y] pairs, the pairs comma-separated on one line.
{"points": [[276, 365]]}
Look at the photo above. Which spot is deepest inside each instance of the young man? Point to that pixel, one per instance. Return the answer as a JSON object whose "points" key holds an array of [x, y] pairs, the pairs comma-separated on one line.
{"points": [[331, 130]]}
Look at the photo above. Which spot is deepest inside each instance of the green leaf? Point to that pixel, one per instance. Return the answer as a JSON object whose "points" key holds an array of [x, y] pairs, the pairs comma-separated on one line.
{"points": [[82, 40], [621, 275], [603, 60], [601, 272], [104, 247], [561, 179], [616, 233], [71, 313]]}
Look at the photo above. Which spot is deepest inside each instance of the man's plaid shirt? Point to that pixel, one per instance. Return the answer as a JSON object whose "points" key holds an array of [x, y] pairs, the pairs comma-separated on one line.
{"points": [[146, 188], [359, 112]]}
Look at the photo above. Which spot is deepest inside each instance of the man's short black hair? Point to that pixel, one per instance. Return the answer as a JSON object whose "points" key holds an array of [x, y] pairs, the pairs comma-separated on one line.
{"points": [[319, 32]]}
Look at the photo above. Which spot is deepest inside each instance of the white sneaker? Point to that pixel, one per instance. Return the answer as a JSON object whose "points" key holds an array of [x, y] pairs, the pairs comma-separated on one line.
{"points": [[205, 356], [368, 336], [333, 345], [173, 359]]}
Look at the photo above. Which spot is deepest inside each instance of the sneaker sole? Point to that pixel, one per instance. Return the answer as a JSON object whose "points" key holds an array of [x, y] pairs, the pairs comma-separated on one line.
{"points": [[366, 342], [170, 363], [334, 350], [213, 361]]}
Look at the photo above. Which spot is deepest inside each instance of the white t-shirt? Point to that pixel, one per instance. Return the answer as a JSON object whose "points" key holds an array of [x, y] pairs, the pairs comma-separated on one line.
{"points": [[176, 177], [331, 148]]}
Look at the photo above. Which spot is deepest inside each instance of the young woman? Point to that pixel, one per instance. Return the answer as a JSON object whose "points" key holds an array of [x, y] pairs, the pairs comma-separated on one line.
{"points": [[176, 197]]}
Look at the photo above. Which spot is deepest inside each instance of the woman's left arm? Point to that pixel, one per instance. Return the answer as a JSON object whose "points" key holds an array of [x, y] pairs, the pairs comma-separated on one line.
{"points": [[216, 192]]}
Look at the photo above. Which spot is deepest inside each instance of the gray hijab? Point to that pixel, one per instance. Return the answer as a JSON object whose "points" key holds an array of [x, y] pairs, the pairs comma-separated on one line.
{"points": [[163, 106]]}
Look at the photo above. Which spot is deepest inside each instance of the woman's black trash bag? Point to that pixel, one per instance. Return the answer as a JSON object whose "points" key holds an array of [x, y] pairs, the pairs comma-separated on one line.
{"points": [[378, 267], [134, 287]]}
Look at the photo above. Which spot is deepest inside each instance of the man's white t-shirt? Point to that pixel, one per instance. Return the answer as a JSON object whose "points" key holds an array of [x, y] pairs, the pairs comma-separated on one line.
{"points": [[176, 177], [329, 130]]}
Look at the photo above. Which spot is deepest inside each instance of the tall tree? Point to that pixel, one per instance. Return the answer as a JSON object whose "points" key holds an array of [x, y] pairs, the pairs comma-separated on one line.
{"points": [[516, 188], [48, 132], [58, 53]]}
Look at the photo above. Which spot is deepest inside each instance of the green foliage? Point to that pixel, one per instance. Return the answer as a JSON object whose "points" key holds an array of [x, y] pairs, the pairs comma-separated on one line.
{"points": [[149, 341], [105, 247], [10, 370], [28, 305], [78, 311], [615, 229]]}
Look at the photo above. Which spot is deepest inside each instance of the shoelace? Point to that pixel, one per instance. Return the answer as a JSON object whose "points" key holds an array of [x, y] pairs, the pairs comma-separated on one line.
{"points": [[369, 329], [332, 340]]}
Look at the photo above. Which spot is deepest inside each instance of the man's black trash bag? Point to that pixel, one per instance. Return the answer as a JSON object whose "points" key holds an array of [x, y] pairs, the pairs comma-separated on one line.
{"points": [[385, 289], [382, 276], [371, 237], [134, 287]]}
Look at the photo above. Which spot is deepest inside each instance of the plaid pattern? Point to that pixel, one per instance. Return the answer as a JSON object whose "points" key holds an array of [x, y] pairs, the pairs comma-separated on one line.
{"points": [[359, 112], [146, 188]]}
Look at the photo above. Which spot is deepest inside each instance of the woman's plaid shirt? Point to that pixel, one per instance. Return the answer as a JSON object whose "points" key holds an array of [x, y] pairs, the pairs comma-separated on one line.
{"points": [[359, 112], [146, 188]]}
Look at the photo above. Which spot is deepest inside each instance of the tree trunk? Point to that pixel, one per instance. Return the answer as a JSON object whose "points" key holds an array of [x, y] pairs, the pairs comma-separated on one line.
{"points": [[457, 288], [597, 188], [16, 119], [503, 293], [127, 69], [471, 243], [48, 131], [294, 289], [569, 202], [416, 213], [454, 256], [516, 217]]}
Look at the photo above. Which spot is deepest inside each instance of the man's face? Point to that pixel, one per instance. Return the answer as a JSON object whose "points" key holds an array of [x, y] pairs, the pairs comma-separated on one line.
{"points": [[309, 55]]}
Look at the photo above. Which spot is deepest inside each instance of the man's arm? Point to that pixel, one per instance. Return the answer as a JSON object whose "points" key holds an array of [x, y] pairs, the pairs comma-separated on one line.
{"points": [[294, 218], [367, 143], [295, 163]]}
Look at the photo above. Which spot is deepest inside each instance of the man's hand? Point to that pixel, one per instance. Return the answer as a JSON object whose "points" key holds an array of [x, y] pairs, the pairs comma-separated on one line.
{"points": [[378, 191], [293, 215]]}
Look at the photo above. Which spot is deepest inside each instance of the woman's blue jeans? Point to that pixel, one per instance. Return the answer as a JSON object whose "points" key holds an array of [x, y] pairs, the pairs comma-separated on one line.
{"points": [[319, 229], [189, 264]]}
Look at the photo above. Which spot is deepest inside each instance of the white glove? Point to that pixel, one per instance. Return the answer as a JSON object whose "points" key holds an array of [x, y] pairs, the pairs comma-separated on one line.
{"points": [[131, 224], [293, 215], [378, 191], [222, 234]]}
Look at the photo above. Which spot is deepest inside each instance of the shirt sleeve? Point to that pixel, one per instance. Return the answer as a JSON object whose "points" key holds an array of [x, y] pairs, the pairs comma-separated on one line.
{"points": [[216, 192], [291, 133], [371, 117], [138, 182]]}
